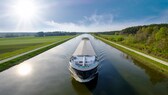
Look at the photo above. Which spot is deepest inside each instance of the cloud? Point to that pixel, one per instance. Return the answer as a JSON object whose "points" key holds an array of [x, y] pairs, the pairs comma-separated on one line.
{"points": [[105, 22], [94, 23], [74, 2]]}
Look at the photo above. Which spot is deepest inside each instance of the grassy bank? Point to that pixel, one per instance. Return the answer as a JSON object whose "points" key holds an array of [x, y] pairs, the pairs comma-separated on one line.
{"points": [[128, 41], [13, 46], [146, 61], [10, 63]]}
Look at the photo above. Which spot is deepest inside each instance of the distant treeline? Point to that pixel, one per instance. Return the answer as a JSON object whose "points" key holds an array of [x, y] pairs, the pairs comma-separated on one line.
{"points": [[108, 32], [132, 30], [37, 34], [15, 34], [135, 29], [42, 34]]}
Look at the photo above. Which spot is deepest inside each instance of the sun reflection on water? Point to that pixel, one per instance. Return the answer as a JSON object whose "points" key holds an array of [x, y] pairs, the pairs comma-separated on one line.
{"points": [[24, 69]]}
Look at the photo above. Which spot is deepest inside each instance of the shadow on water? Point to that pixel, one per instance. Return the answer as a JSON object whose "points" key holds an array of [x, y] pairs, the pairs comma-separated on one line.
{"points": [[154, 76], [108, 82], [84, 88]]}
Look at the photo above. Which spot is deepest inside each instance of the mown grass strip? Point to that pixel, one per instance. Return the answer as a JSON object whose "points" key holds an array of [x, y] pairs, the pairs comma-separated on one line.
{"points": [[20, 51], [146, 61], [15, 61]]}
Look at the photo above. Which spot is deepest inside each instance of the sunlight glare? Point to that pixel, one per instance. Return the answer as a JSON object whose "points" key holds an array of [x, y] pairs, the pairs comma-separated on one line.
{"points": [[24, 69], [25, 9]]}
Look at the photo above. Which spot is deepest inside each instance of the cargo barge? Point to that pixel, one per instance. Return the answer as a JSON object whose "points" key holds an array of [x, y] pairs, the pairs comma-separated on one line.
{"points": [[83, 63]]}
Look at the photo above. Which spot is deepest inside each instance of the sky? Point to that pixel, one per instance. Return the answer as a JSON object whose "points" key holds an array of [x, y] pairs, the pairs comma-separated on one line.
{"points": [[79, 15]]}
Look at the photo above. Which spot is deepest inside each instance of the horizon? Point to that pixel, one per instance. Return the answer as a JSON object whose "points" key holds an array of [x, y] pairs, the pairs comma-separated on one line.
{"points": [[79, 15], [79, 31]]}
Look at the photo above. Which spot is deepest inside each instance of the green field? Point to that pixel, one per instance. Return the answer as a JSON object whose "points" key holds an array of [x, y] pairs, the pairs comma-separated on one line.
{"points": [[13, 46]]}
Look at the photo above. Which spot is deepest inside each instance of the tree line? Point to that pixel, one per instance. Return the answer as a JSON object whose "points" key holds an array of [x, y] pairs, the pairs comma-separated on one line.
{"points": [[36, 34], [42, 34]]}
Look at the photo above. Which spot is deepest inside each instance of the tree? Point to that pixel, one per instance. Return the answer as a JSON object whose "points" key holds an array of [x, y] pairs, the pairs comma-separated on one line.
{"points": [[40, 34], [162, 33]]}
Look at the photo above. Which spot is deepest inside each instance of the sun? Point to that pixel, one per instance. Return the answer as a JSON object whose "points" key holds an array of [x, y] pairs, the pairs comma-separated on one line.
{"points": [[26, 14], [25, 9]]}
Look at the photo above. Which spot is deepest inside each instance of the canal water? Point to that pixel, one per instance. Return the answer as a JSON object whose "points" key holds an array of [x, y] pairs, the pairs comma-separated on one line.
{"points": [[48, 74]]}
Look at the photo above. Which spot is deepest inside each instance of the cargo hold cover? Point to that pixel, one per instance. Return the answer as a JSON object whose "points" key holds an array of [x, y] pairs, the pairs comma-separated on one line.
{"points": [[84, 48]]}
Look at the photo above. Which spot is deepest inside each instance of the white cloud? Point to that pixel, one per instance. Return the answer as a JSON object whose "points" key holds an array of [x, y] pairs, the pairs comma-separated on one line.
{"points": [[105, 22], [94, 23]]}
